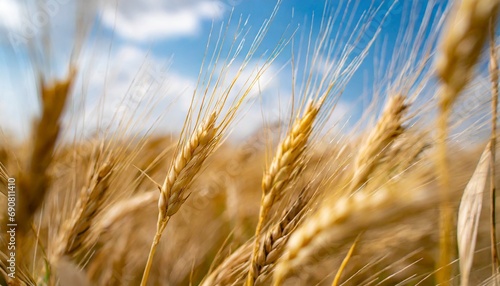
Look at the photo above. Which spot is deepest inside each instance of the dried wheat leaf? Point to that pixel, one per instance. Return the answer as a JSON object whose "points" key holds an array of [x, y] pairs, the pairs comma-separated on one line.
{"points": [[469, 213]]}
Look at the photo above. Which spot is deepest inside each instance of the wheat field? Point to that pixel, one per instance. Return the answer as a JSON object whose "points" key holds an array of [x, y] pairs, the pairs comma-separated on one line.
{"points": [[403, 194]]}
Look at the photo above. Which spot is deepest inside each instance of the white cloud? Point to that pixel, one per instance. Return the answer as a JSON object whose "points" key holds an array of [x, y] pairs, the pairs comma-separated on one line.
{"points": [[10, 16], [143, 20], [138, 79], [127, 74], [133, 86]]}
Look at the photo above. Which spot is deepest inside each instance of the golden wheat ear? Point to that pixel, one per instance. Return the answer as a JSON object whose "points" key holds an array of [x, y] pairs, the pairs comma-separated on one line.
{"points": [[343, 220], [462, 44], [274, 240], [234, 268], [213, 115], [75, 236], [34, 182], [387, 129], [184, 168], [284, 169], [373, 149]]}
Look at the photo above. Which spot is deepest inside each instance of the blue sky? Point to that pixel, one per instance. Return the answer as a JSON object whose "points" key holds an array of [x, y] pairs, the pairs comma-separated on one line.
{"points": [[135, 45]]}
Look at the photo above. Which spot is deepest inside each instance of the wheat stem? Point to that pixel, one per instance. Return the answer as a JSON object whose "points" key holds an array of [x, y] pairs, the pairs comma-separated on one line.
{"points": [[156, 240], [461, 47], [443, 274], [494, 116], [336, 280]]}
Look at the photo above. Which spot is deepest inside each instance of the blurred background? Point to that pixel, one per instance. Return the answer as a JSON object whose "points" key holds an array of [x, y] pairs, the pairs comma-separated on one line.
{"points": [[149, 53]]}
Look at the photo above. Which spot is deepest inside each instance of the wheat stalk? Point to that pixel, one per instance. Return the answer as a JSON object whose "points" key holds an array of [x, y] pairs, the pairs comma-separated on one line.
{"points": [[343, 265], [493, 142], [461, 47]]}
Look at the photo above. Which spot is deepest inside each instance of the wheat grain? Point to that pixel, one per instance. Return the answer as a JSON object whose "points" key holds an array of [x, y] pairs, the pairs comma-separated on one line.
{"points": [[272, 246], [345, 219], [274, 241], [185, 166], [75, 236], [371, 152], [286, 165]]}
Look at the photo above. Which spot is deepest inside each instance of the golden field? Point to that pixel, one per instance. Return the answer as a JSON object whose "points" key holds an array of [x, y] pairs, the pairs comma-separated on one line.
{"points": [[405, 195]]}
